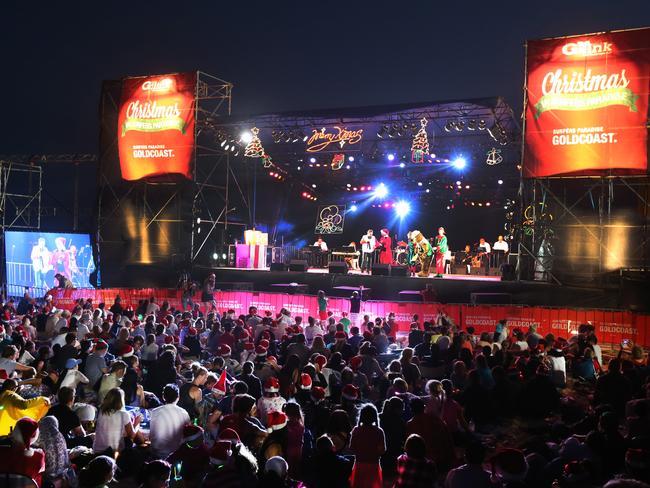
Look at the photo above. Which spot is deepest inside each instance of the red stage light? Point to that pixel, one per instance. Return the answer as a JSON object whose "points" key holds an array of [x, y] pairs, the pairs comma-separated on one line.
{"points": [[363, 188]]}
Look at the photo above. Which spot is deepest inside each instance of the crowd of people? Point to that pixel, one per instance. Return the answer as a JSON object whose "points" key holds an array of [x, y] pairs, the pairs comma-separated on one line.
{"points": [[108, 395]]}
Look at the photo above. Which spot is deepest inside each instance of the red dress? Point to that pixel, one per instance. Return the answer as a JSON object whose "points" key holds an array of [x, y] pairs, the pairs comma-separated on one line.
{"points": [[386, 255]]}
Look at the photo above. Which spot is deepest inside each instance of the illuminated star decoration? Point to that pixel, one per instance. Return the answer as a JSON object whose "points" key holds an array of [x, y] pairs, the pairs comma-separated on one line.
{"points": [[420, 145], [494, 157]]}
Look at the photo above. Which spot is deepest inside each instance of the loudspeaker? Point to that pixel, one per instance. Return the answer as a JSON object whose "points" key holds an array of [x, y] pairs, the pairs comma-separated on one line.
{"points": [[508, 272], [278, 267], [399, 270], [338, 267], [299, 265], [380, 270]]}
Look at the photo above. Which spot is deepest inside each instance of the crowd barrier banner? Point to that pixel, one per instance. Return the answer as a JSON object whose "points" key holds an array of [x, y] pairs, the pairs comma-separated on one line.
{"points": [[612, 326]]}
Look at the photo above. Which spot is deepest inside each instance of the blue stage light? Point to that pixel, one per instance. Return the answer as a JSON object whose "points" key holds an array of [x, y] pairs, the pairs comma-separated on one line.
{"points": [[402, 165], [459, 162], [390, 156], [353, 208], [402, 208], [381, 190]]}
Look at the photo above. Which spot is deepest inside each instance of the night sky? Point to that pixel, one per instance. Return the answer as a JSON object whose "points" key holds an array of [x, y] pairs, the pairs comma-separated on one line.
{"points": [[281, 55]]}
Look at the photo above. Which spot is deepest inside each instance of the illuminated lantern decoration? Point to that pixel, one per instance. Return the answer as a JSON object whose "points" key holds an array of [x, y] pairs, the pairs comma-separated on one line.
{"points": [[337, 161]]}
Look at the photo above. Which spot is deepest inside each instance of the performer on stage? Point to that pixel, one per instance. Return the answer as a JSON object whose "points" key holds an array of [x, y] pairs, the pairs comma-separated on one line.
{"points": [[321, 243], [368, 246], [500, 245], [441, 250], [422, 252], [41, 263], [60, 259], [320, 257], [385, 248]]}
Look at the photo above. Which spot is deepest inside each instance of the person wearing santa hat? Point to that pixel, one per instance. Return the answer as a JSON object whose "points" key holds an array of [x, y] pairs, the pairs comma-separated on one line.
{"points": [[167, 422], [304, 387], [192, 458], [231, 365], [271, 401], [21, 457], [385, 248]]}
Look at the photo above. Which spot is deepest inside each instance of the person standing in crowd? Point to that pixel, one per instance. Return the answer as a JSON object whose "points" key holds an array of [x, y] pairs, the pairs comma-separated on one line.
{"points": [[368, 444]]}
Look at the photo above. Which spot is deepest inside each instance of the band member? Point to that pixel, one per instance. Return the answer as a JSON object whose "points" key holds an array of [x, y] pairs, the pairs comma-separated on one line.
{"points": [[60, 258], [385, 248], [441, 250], [484, 251], [320, 258], [321, 243], [422, 251], [410, 255], [353, 261], [500, 245], [41, 263], [368, 246]]}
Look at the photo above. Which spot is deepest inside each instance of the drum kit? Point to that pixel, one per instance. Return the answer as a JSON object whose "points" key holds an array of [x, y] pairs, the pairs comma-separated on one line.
{"points": [[401, 253]]}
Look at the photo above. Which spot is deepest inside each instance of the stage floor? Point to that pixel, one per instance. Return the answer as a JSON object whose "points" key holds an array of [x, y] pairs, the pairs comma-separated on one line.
{"points": [[359, 273]]}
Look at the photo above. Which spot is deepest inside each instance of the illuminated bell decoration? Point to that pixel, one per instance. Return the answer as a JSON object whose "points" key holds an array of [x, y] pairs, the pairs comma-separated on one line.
{"points": [[494, 157], [254, 148], [266, 160], [337, 161], [420, 145]]}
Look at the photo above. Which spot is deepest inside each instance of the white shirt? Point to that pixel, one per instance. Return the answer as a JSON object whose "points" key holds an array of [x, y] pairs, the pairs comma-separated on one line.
{"points": [[82, 331], [109, 431], [266, 405], [311, 332], [322, 245], [166, 428], [485, 245], [73, 377], [368, 243], [500, 246], [152, 308]]}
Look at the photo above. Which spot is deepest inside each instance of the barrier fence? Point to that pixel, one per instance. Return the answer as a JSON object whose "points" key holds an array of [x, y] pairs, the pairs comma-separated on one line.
{"points": [[612, 326]]}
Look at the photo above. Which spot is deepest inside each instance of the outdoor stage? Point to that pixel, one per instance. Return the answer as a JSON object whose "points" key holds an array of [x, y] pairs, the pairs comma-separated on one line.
{"points": [[448, 289]]}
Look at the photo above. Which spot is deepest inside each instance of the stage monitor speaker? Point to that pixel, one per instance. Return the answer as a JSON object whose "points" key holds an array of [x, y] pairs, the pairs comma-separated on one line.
{"points": [[459, 269], [278, 267], [399, 270], [338, 267], [299, 265], [508, 272], [380, 270]]}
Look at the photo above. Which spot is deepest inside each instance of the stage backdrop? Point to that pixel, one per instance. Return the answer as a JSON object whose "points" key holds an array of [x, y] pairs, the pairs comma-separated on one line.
{"points": [[587, 104], [155, 130], [611, 326]]}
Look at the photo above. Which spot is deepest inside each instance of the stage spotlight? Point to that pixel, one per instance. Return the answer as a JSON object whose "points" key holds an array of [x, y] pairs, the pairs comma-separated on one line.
{"points": [[381, 191], [428, 190], [215, 256], [419, 183], [353, 208], [500, 182], [390, 156], [351, 159], [313, 185], [348, 185], [223, 143], [246, 137], [347, 166], [459, 163], [198, 220], [312, 160], [402, 208], [402, 165], [298, 168]]}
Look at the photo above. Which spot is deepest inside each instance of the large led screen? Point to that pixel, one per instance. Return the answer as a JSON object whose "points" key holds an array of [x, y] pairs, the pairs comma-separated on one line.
{"points": [[33, 258]]}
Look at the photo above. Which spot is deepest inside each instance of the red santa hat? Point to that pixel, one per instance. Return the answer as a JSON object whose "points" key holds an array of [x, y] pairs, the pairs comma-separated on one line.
{"points": [[169, 339], [191, 432], [320, 360], [355, 363], [385, 231], [223, 350], [243, 335], [276, 421], [229, 435], [220, 452], [264, 343], [192, 331], [271, 385], [25, 431], [318, 393], [268, 313], [100, 345], [340, 335], [266, 335], [127, 351], [350, 392], [260, 351], [249, 346], [220, 386], [305, 381], [272, 360]]}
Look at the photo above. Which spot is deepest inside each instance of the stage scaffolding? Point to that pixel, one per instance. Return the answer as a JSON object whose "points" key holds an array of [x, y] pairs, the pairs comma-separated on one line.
{"points": [[596, 227], [166, 226]]}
